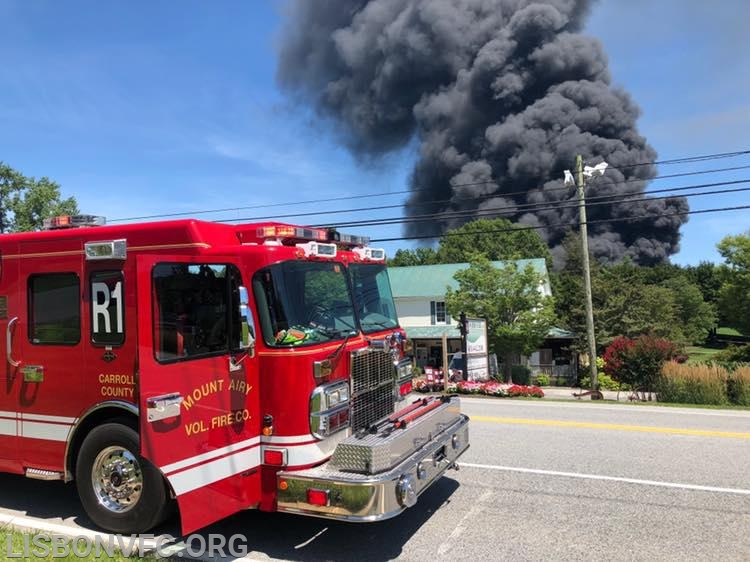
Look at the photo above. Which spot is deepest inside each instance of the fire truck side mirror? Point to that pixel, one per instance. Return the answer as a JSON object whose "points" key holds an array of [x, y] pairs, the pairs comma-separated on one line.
{"points": [[247, 327]]}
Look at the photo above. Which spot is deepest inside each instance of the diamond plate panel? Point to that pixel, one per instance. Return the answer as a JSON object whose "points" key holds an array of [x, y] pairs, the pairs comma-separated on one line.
{"points": [[374, 453]]}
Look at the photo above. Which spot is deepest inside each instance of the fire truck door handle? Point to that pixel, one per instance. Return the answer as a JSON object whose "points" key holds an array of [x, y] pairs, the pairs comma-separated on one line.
{"points": [[33, 373], [163, 407], [9, 342]]}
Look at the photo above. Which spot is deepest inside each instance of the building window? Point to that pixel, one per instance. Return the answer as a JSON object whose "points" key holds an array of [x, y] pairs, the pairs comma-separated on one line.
{"points": [[438, 314], [54, 309]]}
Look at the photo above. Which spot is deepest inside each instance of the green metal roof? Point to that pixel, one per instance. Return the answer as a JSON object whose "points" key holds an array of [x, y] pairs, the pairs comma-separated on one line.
{"points": [[559, 333], [436, 332], [431, 280], [432, 332]]}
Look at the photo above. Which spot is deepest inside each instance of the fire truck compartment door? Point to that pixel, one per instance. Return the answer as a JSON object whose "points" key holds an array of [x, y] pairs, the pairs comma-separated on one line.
{"points": [[198, 393]]}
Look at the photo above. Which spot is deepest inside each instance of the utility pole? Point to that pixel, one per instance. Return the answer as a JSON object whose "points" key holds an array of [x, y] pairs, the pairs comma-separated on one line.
{"points": [[445, 361], [463, 328], [586, 271]]}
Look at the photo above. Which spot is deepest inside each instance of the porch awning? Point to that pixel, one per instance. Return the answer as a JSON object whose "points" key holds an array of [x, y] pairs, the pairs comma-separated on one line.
{"points": [[560, 334]]}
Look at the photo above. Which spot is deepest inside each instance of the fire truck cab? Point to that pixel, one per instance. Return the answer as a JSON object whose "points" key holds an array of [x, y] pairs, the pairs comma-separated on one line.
{"points": [[212, 366]]}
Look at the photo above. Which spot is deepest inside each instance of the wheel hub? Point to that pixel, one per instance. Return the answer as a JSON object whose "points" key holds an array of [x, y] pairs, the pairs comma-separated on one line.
{"points": [[117, 479]]}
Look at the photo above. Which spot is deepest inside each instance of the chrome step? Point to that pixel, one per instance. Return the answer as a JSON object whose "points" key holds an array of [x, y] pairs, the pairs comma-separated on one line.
{"points": [[40, 474]]}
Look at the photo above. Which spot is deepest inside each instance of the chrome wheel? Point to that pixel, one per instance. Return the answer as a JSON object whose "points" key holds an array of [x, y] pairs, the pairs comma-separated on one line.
{"points": [[117, 479]]}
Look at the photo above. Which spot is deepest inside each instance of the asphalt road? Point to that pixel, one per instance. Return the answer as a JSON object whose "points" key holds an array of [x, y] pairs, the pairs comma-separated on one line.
{"points": [[541, 481]]}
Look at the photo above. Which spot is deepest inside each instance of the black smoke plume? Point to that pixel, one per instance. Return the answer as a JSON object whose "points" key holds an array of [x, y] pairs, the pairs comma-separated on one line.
{"points": [[501, 96]]}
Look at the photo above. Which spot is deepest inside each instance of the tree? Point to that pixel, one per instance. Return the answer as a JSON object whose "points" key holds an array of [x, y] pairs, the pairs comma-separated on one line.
{"points": [[420, 256], [518, 314], [631, 300], [624, 305], [25, 201], [567, 286], [709, 278], [734, 295], [496, 239], [660, 274], [696, 316]]}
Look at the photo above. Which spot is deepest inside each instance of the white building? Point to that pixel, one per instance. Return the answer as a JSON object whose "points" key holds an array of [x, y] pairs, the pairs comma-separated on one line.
{"points": [[419, 294]]}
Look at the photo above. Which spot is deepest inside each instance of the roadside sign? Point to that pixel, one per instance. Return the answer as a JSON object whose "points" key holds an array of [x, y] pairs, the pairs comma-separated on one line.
{"points": [[477, 363]]}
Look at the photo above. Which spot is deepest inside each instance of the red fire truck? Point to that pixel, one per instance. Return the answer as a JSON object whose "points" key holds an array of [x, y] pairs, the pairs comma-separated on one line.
{"points": [[215, 368]]}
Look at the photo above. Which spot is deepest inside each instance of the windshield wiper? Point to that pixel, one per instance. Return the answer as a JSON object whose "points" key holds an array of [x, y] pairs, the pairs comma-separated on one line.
{"points": [[384, 324], [332, 332], [336, 355]]}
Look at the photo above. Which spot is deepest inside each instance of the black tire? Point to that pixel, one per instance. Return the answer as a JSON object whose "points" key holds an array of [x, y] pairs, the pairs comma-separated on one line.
{"points": [[120, 491]]}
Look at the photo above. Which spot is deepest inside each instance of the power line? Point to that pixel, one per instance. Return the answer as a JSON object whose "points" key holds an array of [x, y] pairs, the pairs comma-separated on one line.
{"points": [[700, 158], [705, 157], [516, 207], [491, 213], [508, 209], [696, 173], [689, 159], [530, 227]]}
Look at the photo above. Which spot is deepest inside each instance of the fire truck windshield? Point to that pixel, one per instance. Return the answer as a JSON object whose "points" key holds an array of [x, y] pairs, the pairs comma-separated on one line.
{"points": [[304, 303], [373, 297]]}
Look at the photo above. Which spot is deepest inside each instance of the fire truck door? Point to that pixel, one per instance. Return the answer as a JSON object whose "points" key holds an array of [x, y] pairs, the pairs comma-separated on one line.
{"points": [[46, 340], [198, 390], [9, 460]]}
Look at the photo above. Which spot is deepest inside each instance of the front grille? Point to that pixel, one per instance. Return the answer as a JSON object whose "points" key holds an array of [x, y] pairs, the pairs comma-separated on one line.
{"points": [[372, 379]]}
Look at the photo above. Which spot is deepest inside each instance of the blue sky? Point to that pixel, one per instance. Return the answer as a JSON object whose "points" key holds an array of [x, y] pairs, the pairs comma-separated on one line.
{"points": [[147, 108]]}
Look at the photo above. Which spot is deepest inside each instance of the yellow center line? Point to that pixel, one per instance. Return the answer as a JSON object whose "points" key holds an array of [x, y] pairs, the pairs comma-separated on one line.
{"points": [[614, 427]]}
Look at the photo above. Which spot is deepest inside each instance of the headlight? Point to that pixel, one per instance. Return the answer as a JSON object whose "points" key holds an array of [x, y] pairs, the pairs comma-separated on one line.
{"points": [[337, 395], [404, 369], [329, 409]]}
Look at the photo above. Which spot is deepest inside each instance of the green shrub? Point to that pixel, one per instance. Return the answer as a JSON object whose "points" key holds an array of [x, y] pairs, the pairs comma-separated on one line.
{"points": [[692, 384], [738, 386], [541, 380], [733, 354], [603, 380], [520, 374]]}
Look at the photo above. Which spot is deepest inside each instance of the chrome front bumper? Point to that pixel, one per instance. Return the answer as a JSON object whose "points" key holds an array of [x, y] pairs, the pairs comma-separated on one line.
{"points": [[364, 497]]}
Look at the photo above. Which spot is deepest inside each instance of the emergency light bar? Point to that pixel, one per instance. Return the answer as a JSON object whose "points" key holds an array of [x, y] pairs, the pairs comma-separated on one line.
{"points": [[372, 254], [288, 232], [317, 249], [297, 232], [316, 238], [349, 239], [73, 221]]}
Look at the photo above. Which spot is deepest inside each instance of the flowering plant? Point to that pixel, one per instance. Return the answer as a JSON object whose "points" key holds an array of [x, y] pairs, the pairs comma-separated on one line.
{"points": [[491, 388], [428, 385], [494, 388], [469, 387], [529, 391]]}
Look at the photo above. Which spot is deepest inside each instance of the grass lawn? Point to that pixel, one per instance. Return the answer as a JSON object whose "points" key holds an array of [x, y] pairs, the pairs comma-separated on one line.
{"points": [[697, 354], [16, 543], [728, 332]]}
